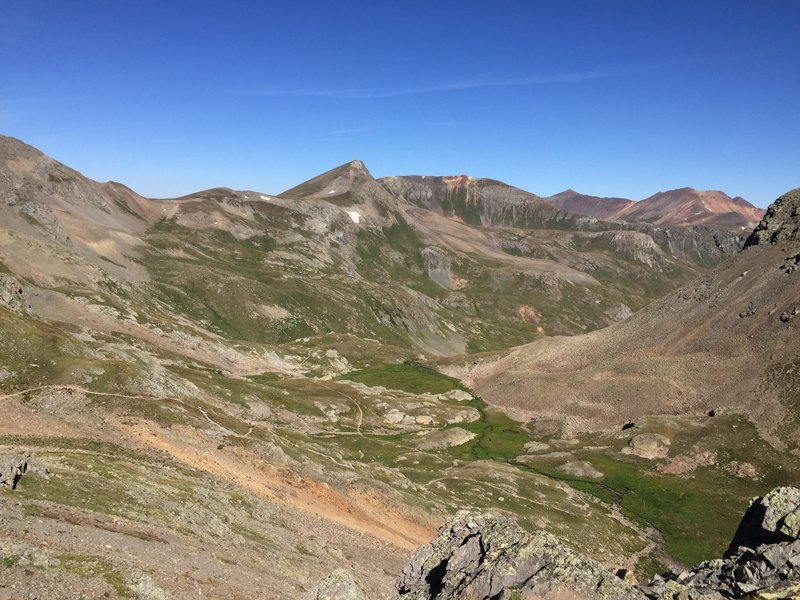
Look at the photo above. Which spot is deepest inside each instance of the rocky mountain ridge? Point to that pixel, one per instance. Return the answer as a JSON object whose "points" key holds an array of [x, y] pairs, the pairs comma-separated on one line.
{"points": [[598, 207], [233, 392], [713, 338], [444, 269], [680, 207]]}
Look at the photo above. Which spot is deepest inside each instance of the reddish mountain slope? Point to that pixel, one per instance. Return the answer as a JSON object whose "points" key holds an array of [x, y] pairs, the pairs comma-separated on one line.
{"points": [[575, 203], [687, 206], [683, 207]]}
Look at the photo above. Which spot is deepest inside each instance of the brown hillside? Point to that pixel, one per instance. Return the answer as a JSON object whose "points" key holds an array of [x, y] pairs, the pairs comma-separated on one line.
{"points": [[687, 206], [592, 206], [728, 339]]}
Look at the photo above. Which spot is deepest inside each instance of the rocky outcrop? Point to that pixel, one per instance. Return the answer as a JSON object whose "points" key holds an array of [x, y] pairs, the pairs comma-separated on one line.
{"points": [[485, 556], [771, 571], [12, 468], [339, 585], [445, 438], [11, 471], [762, 561], [480, 556], [482, 202], [12, 294], [772, 519], [781, 223], [648, 445]]}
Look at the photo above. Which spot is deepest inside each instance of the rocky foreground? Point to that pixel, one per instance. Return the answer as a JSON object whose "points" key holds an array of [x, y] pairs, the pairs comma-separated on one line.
{"points": [[489, 557]]}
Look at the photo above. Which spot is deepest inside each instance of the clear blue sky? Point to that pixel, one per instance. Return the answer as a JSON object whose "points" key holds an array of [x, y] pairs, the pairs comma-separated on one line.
{"points": [[609, 98]]}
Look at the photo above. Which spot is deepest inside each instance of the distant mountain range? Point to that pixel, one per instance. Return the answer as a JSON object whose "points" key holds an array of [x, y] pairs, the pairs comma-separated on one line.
{"points": [[246, 390], [681, 207]]}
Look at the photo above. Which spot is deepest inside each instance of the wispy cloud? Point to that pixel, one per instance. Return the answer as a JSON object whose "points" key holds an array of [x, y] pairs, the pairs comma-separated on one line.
{"points": [[452, 86], [336, 133]]}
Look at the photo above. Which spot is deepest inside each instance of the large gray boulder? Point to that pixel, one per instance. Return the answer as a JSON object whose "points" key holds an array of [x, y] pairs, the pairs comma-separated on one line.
{"points": [[763, 560], [482, 556], [772, 519], [772, 571]]}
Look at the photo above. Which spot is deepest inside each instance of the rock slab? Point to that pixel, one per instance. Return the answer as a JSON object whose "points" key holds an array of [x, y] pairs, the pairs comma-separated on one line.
{"points": [[479, 556]]}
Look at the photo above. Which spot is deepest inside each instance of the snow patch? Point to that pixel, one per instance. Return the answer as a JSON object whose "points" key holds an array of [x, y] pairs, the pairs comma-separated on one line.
{"points": [[355, 217], [265, 197], [332, 192]]}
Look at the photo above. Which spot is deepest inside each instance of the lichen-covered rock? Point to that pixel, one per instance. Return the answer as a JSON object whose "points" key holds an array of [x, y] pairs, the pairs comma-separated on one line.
{"points": [[481, 556], [445, 438], [782, 511], [763, 560], [648, 445], [339, 585], [773, 567], [781, 223], [771, 519]]}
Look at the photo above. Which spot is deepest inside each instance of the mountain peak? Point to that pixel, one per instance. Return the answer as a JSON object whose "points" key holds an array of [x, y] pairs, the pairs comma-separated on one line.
{"points": [[592, 206], [339, 180], [11, 148], [688, 206], [359, 165]]}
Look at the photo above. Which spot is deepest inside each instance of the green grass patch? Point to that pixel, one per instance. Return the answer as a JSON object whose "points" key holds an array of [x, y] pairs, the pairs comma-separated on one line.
{"points": [[498, 438], [9, 561], [88, 566], [408, 377]]}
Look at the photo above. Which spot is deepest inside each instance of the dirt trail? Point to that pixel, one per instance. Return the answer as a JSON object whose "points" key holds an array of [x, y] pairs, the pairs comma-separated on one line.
{"points": [[357, 511], [353, 400]]}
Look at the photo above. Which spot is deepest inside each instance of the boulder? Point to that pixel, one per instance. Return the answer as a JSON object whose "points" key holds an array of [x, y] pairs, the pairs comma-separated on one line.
{"points": [[772, 519], [11, 471], [763, 560], [771, 571], [339, 585], [648, 445], [580, 468], [487, 556], [445, 438]]}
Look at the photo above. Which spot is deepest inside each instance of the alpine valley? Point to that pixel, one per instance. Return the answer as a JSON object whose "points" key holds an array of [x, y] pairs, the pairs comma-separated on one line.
{"points": [[232, 394]]}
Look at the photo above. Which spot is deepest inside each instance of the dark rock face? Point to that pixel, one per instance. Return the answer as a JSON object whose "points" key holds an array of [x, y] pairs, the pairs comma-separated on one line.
{"points": [[479, 556], [482, 202], [781, 223], [772, 519]]}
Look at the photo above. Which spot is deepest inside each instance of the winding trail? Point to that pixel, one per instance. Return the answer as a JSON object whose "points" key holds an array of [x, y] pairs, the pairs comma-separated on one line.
{"points": [[353, 400], [275, 482]]}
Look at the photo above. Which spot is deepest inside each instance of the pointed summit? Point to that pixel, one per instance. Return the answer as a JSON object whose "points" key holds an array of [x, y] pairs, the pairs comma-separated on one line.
{"points": [[335, 185]]}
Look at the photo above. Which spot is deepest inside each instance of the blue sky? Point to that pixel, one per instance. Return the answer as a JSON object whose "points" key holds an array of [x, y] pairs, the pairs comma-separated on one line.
{"points": [[609, 98]]}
